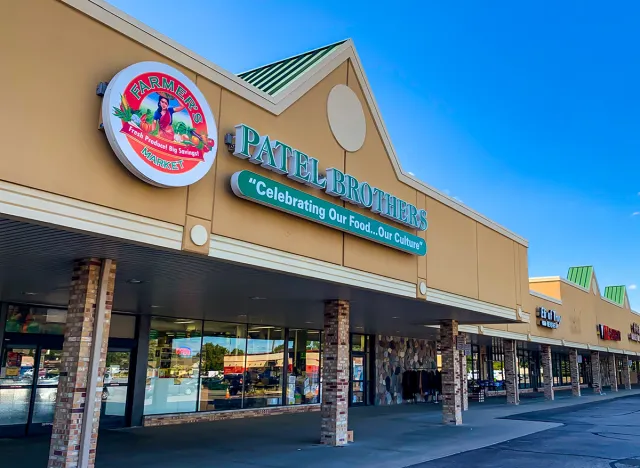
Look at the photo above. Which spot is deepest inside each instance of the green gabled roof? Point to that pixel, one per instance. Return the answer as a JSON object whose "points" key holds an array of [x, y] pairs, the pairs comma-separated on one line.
{"points": [[581, 276], [276, 76], [615, 294]]}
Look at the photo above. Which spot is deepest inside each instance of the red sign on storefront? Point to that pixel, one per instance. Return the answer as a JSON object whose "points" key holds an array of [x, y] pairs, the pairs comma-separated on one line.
{"points": [[609, 334]]}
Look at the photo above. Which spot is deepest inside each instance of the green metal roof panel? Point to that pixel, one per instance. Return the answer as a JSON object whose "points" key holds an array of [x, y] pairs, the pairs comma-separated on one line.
{"points": [[276, 76], [581, 276], [615, 294]]}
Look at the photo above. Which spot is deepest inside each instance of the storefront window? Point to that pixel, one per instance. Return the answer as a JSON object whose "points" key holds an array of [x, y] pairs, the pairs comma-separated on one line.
{"points": [[28, 319], [496, 352], [303, 381], [264, 364], [174, 365], [224, 349]]}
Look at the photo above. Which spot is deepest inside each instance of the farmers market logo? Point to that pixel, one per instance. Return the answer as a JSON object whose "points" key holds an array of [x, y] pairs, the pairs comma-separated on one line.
{"points": [[159, 125]]}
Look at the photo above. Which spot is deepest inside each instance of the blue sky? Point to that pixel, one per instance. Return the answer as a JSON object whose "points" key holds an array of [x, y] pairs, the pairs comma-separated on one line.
{"points": [[530, 112]]}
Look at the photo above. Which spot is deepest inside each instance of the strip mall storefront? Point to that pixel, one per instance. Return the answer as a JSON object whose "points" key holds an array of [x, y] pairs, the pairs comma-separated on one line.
{"points": [[185, 244]]}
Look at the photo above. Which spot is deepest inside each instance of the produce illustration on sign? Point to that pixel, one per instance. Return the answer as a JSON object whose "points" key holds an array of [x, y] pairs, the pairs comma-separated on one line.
{"points": [[635, 333], [159, 124]]}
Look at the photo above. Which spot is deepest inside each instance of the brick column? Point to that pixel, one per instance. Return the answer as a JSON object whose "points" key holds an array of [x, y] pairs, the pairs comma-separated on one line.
{"points": [[575, 372], [77, 414], [464, 387], [613, 373], [511, 372], [451, 396], [335, 374], [626, 374], [595, 372], [547, 370]]}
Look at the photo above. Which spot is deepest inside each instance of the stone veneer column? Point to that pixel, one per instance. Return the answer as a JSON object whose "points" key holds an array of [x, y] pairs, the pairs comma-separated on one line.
{"points": [[547, 370], [626, 373], [613, 372], [451, 396], [511, 372], [335, 374], [464, 387], [595, 372], [575, 372], [78, 402]]}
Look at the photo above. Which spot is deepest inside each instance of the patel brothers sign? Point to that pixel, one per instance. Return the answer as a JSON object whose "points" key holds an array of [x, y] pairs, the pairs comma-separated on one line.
{"points": [[280, 158], [159, 124]]}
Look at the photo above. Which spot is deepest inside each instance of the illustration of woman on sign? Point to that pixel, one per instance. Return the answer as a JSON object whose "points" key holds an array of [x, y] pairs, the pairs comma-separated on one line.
{"points": [[163, 117]]}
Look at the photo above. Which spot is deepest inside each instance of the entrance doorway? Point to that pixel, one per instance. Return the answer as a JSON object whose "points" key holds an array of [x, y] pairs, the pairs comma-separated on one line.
{"points": [[115, 393], [359, 385], [28, 387]]}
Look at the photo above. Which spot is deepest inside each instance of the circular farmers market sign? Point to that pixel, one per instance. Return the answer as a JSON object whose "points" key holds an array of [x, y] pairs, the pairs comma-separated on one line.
{"points": [[159, 125]]}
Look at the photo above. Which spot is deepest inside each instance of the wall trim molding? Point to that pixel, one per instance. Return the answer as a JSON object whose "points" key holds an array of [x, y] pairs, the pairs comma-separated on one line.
{"points": [[545, 297], [462, 302], [503, 334], [246, 253], [141, 33], [45, 207], [573, 344], [598, 348], [549, 279]]}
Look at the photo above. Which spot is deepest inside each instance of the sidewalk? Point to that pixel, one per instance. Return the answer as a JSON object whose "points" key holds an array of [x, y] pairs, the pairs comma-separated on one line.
{"points": [[387, 437]]}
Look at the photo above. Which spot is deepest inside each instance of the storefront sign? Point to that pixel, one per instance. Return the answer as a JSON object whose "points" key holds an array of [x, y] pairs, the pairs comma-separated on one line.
{"points": [[284, 159], [268, 192], [548, 318], [159, 125], [609, 334], [635, 333], [281, 158]]}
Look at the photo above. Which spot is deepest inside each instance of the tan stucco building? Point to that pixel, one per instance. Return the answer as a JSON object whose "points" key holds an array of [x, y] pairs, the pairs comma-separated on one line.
{"points": [[168, 218]]}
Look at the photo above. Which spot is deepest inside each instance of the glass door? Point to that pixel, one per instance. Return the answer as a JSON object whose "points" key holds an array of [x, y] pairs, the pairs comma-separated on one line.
{"points": [[358, 379], [46, 390], [17, 367], [116, 388]]}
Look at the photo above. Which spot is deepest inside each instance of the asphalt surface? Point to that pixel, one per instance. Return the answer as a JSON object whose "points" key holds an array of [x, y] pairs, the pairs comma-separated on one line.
{"points": [[596, 435]]}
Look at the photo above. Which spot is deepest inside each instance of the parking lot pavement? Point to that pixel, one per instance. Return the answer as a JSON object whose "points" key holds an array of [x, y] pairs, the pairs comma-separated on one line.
{"points": [[602, 434]]}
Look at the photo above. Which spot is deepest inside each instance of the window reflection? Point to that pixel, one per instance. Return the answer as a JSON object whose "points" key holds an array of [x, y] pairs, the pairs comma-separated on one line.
{"points": [[264, 364], [303, 381], [222, 366], [174, 365]]}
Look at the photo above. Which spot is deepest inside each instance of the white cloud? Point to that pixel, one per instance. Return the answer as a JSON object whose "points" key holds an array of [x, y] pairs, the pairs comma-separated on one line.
{"points": [[411, 174], [633, 286], [635, 213]]}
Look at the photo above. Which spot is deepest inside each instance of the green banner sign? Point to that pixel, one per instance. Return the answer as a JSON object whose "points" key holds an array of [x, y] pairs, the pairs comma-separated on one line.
{"points": [[268, 192]]}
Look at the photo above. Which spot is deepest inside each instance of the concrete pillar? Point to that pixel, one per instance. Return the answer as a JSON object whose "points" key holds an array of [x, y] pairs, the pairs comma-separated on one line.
{"points": [[626, 373], [335, 377], [575, 372], [547, 370], [77, 414], [451, 395], [464, 387], [595, 372], [613, 372], [511, 372]]}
